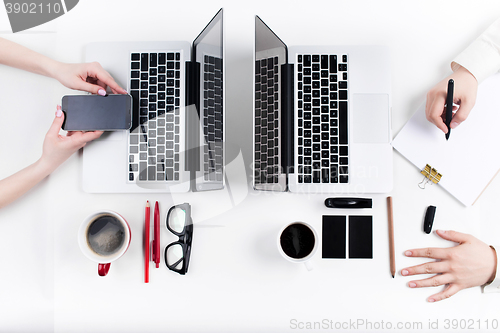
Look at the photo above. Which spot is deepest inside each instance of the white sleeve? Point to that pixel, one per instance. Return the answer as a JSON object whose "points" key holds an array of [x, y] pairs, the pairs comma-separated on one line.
{"points": [[482, 57], [494, 286]]}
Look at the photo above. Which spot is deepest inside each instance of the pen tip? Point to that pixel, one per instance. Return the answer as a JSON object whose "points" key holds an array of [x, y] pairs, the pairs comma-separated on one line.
{"points": [[393, 276]]}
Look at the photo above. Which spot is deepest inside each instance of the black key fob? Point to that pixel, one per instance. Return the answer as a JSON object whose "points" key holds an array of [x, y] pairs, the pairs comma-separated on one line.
{"points": [[429, 219], [348, 203]]}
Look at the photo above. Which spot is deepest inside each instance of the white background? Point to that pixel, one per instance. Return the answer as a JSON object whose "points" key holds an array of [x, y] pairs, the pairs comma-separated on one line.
{"points": [[237, 280]]}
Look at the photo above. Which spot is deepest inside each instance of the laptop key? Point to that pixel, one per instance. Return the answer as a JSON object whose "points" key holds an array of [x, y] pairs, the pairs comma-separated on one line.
{"points": [[343, 132], [144, 62], [161, 58], [343, 150], [333, 64], [143, 172], [324, 61], [325, 176], [169, 174], [307, 60], [152, 172], [316, 177]]}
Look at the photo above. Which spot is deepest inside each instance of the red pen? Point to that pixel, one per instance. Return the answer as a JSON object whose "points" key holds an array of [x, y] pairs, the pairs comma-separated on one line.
{"points": [[146, 244], [157, 234]]}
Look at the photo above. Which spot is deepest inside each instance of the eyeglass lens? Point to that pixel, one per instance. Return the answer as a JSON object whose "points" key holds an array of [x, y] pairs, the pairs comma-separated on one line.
{"points": [[174, 256], [177, 219]]}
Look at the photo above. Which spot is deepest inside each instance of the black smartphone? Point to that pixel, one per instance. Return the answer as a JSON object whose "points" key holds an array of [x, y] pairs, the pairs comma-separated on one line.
{"points": [[97, 113]]}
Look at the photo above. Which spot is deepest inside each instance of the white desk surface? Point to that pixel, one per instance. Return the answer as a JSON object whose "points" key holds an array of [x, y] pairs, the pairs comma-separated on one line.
{"points": [[237, 281]]}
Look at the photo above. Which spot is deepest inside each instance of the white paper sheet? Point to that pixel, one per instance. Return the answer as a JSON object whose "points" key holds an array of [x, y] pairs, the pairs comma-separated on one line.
{"points": [[470, 159]]}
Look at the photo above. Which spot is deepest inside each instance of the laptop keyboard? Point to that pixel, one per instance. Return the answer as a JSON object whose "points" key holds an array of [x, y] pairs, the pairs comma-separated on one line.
{"points": [[267, 143], [155, 84], [212, 119], [323, 152]]}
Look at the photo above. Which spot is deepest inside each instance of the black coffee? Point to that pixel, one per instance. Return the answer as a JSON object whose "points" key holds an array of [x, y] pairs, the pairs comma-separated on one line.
{"points": [[106, 235], [297, 240]]}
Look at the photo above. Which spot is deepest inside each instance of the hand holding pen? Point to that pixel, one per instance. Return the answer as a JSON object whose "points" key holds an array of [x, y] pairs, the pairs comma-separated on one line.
{"points": [[464, 95]]}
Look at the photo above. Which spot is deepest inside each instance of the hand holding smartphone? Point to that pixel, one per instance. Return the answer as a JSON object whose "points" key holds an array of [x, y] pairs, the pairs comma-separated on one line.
{"points": [[97, 113]]}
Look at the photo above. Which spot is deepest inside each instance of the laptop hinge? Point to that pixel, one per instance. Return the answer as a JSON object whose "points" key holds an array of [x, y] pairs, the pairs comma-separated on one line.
{"points": [[287, 118], [192, 116]]}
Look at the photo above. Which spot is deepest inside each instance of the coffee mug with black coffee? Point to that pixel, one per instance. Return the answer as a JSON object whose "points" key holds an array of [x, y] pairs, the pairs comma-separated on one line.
{"points": [[104, 237], [297, 243]]}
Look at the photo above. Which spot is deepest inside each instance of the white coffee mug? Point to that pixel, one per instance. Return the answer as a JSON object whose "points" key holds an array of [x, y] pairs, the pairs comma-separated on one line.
{"points": [[297, 243], [104, 237]]}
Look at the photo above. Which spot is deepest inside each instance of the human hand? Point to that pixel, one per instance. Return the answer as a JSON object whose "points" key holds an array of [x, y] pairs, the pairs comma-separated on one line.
{"points": [[90, 77], [464, 95], [58, 148], [471, 263]]}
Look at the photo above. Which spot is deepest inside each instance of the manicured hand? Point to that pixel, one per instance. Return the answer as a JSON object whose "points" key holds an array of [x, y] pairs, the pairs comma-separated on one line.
{"points": [[464, 95], [471, 263], [90, 77]]}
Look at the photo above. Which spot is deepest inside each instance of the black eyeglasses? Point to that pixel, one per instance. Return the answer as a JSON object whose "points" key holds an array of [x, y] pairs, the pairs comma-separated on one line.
{"points": [[180, 224]]}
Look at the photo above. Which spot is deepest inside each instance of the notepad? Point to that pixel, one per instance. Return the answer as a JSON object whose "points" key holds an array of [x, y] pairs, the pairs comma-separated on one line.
{"points": [[470, 159]]}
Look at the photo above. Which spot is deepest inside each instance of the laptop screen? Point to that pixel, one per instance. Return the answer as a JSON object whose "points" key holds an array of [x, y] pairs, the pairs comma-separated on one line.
{"points": [[208, 53], [209, 41], [270, 161], [266, 39]]}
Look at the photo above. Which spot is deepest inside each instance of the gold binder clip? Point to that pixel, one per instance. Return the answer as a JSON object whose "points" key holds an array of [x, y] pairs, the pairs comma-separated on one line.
{"points": [[430, 175]]}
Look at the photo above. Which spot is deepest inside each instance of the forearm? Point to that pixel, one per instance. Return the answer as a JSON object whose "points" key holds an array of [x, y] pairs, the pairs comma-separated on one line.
{"points": [[18, 56], [13, 187], [482, 57]]}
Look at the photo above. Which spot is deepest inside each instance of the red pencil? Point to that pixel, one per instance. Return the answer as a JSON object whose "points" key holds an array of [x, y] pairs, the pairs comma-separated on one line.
{"points": [[157, 235], [146, 244]]}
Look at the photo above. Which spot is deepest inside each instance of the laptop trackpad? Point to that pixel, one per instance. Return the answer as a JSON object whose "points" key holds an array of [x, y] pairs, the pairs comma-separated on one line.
{"points": [[370, 118]]}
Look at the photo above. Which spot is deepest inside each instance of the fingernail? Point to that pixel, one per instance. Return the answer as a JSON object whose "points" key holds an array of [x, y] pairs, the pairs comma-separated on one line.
{"points": [[404, 272], [408, 253], [59, 112], [454, 124], [102, 92], [412, 284], [431, 300]]}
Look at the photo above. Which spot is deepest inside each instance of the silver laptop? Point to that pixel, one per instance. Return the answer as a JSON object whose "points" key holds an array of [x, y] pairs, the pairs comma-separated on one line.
{"points": [[176, 142], [322, 119]]}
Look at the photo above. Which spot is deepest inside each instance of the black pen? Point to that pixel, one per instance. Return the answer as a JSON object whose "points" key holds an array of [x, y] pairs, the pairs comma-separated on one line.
{"points": [[449, 106]]}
